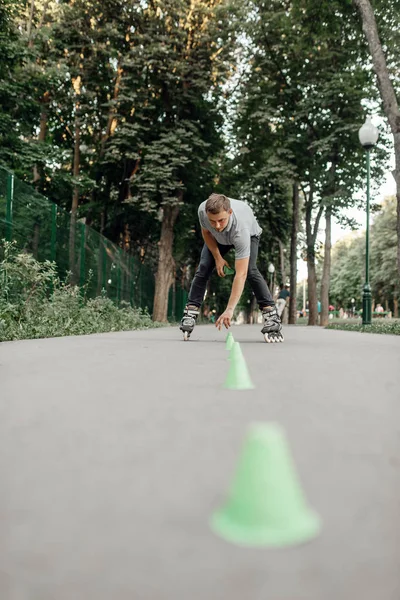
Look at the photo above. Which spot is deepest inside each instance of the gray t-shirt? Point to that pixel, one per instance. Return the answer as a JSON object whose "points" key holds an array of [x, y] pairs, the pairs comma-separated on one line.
{"points": [[241, 227]]}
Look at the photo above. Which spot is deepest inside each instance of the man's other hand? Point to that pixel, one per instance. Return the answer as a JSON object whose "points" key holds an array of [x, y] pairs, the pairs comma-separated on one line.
{"points": [[225, 319], [219, 265]]}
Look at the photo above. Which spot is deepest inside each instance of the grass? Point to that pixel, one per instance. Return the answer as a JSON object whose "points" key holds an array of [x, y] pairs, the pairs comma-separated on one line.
{"points": [[381, 326]]}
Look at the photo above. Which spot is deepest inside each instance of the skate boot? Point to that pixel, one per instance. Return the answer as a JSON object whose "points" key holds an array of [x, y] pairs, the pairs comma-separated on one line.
{"points": [[188, 321], [272, 328]]}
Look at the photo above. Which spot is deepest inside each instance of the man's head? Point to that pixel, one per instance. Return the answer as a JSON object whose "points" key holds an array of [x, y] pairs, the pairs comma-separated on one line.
{"points": [[218, 210]]}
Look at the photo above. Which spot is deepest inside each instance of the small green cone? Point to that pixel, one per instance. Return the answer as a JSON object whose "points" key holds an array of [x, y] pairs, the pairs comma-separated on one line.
{"points": [[228, 270], [235, 352], [238, 377], [266, 505], [229, 341]]}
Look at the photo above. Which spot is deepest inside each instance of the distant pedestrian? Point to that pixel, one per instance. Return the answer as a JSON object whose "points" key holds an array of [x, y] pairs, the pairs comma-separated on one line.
{"points": [[284, 294]]}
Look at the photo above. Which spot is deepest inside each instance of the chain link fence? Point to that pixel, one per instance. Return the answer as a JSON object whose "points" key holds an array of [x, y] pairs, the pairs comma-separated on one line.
{"points": [[46, 231]]}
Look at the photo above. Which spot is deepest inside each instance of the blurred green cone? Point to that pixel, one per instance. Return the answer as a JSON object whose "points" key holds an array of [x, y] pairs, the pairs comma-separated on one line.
{"points": [[235, 352], [228, 270], [229, 341], [266, 505], [238, 377]]}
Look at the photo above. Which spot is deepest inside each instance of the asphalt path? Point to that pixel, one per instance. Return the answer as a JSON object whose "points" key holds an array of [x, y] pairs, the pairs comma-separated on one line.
{"points": [[115, 449]]}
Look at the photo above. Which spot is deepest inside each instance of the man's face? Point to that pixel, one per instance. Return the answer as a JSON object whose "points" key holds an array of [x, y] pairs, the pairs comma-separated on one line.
{"points": [[219, 221]]}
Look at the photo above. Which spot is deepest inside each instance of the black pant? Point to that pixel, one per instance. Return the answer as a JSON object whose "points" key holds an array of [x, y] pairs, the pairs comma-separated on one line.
{"points": [[254, 277]]}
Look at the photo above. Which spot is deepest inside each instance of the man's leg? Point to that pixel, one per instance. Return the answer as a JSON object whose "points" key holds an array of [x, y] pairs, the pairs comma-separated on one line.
{"points": [[202, 275], [198, 288], [256, 280], [271, 321]]}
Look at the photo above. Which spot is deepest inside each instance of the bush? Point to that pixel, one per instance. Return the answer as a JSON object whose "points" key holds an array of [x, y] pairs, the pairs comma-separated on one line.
{"points": [[385, 326], [34, 303]]}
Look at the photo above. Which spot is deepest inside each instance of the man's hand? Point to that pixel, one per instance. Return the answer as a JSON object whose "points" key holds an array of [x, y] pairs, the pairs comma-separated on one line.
{"points": [[225, 319], [219, 265]]}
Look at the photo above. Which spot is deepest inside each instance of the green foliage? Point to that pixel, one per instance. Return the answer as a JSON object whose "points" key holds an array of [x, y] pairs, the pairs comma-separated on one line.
{"points": [[347, 271], [297, 111], [164, 105], [34, 303], [383, 326], [348, 261], [384, 274]]}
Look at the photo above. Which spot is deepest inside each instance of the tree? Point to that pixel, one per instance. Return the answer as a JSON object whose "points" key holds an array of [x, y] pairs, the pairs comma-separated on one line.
{"points": [[18, 109], [347, 271], [348, 262], [386, 90], [168, 117], [302, 101], [384, 275], [293, 254]]}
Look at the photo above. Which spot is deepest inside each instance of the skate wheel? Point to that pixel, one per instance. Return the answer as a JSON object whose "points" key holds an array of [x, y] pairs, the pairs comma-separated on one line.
{"points": [[273, 338], [185, 336]]}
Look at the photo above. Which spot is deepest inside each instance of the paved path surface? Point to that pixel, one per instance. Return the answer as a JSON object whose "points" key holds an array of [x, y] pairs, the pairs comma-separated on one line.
{"points": [[116, 448]]}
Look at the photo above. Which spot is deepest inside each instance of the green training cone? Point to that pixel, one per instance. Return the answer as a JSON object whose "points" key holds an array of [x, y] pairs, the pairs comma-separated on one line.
{"points": [[235, 352], [229, 341], [228, 270], [266, 505], [238, 377]]}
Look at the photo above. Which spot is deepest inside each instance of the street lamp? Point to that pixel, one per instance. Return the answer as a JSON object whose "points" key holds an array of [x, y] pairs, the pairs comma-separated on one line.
{"points": [[368, 136], [271, 270]]}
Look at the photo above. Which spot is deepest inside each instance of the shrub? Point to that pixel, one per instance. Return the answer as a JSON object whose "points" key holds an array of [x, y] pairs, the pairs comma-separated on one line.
{"points": [[385, 326], [34, 303]]}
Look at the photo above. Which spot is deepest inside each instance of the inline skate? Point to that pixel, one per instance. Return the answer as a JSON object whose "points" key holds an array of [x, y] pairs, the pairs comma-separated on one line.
{"points": [[272, 328], [188, 321]]}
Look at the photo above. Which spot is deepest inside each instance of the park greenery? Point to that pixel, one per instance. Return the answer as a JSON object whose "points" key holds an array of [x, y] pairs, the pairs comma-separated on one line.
{"points": [[382, 326], [348, 263], [34, 303], [129, 114]]}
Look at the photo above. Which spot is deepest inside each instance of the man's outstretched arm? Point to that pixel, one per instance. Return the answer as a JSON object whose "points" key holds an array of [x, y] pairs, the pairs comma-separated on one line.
{"points": [[241, 267]]}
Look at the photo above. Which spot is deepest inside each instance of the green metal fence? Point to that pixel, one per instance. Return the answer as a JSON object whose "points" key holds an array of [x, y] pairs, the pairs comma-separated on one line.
{"points": [[43, 229]]}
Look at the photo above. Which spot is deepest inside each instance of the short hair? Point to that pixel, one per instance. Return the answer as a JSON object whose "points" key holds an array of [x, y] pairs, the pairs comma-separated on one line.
{"points": [[216, 203]]}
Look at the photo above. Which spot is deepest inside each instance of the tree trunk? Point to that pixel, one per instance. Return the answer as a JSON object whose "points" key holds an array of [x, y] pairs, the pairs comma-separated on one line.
{"points": [[75, 198], [42, 129], [30, 22], [293, 255], [111, 121], [42, 18], [326, 274], [282, 260], [254, 310], [311, 236], [395, 307], [166, 263], [387, 93], [312, 288]]}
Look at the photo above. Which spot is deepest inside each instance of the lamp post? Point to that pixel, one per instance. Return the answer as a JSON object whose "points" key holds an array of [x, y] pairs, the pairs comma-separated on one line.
{"points": [[368, 136], [271, 271]]}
